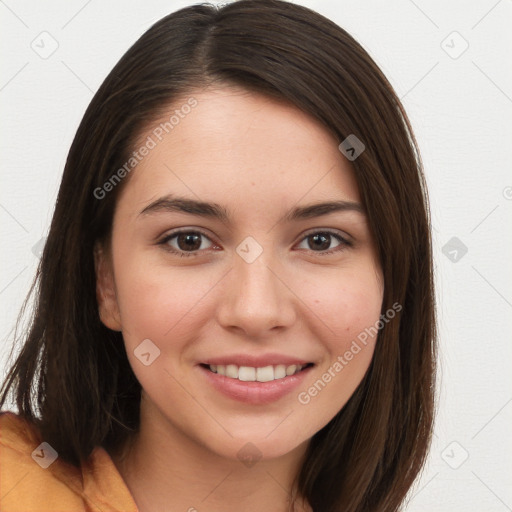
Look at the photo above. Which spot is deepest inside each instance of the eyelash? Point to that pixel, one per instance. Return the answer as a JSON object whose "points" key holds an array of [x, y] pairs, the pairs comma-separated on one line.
{"points": [[344, 243]]}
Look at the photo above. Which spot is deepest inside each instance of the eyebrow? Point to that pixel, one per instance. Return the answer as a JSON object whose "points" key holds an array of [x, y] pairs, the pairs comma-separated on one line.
{"points": [[170, 203]]}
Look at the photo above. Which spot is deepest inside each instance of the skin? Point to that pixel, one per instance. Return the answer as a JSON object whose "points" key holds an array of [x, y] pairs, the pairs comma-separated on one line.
{"points": [[258, 158]]}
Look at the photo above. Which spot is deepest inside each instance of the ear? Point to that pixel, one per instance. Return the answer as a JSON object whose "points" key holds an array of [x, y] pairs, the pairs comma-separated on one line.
{"points": [[105, 289]]}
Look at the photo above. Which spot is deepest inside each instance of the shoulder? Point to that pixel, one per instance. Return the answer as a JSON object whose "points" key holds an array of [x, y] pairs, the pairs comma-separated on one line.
{"points": [[33, 477], [30, 468]]}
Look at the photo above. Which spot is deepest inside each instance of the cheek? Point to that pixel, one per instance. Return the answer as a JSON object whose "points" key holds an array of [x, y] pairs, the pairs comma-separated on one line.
{"points": [[345, 305], [158, 303], [163, 307], [349, 309]]}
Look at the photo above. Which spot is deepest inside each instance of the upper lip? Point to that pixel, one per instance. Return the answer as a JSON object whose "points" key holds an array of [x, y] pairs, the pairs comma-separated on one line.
{"points": [[255, 361]]}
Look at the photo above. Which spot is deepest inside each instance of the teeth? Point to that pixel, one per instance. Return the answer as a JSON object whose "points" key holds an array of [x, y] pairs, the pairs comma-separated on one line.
{"points": [[291, 369], [265, 374], [251, 374], [232, 371], [247, 373], [279, 371]]}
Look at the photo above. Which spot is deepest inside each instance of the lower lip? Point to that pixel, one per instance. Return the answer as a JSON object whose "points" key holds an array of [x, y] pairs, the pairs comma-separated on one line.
{"points": [[254, 392]]}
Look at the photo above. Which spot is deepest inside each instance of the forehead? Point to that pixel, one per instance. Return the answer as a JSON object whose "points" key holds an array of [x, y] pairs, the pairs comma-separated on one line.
{"points": [[240, 147]]}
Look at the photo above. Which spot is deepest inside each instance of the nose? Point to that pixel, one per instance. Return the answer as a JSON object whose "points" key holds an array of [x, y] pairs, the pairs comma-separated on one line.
{"points": [[256, 298]]}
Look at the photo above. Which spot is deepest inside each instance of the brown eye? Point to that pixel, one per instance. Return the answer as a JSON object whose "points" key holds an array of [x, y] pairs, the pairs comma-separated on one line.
{"points": [[320, 242], [187, 243]]}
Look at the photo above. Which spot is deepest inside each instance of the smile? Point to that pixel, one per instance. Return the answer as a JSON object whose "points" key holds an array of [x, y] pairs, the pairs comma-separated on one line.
{"points": [[256, 374], [255, 385]]}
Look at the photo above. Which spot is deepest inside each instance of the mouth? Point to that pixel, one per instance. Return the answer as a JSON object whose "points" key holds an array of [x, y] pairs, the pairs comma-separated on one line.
{"points": [[257, 374], [255, 385]]}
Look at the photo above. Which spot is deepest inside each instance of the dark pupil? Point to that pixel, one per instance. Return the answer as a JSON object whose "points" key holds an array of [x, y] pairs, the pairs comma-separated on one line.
{"points": [[190, 243], [322, 238]]}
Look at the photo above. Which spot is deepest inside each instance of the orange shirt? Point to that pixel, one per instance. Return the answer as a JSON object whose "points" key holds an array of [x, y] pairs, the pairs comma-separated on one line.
{"points": [[26, 485]]}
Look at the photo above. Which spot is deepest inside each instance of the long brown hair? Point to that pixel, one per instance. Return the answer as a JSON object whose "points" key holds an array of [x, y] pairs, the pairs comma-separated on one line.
{"points": [[72, 377]]}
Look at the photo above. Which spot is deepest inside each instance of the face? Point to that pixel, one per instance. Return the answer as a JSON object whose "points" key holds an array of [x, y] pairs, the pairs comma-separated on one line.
{"points": [[257, 285]]}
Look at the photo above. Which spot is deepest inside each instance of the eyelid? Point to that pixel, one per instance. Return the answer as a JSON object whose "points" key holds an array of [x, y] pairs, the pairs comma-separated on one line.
{"points": [[338, 232]]}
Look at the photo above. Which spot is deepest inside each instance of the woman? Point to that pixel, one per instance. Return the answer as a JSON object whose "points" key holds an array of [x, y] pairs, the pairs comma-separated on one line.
{"points": [[235, 303]]}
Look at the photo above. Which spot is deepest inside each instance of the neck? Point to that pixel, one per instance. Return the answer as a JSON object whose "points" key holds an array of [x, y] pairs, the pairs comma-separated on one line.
{"points": [[165, 469]]}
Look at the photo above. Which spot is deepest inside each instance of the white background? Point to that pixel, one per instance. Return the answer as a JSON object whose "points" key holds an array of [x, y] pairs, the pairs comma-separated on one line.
{"points": [[461, 111]]}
